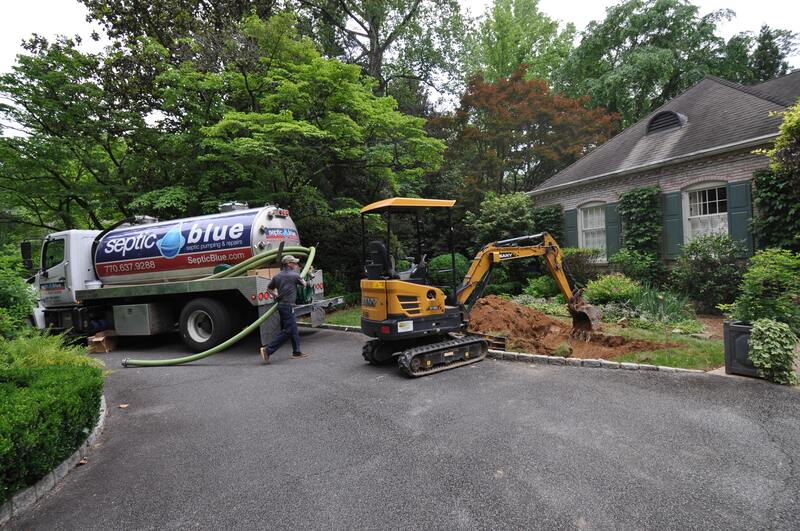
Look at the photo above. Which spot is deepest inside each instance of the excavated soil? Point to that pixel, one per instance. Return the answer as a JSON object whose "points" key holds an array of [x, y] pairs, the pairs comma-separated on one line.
{"points": [[529, 330]]}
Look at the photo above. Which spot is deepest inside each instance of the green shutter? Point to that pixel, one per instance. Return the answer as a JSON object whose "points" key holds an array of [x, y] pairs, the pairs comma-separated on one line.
{"points": [[673, 225], [571, 228], [613, 242], [740, 212]]}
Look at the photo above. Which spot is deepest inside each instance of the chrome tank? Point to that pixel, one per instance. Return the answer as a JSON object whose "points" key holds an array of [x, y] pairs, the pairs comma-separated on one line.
{"points": [[189, 248]]}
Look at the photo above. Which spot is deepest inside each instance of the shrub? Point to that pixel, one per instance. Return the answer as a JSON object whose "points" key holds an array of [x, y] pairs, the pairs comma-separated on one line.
{"points": [[612, 288], [549, 219], [542, 286], [582, 264], [640, 266], [772, 351], [770, 289], [775, 218], [709, 271], [16, 298], [45, 414], [439, 269], [34, 348], [501, 217]]}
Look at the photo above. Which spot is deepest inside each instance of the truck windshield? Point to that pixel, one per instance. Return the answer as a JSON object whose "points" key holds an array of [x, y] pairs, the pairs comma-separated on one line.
{"points": [[53, 254]]}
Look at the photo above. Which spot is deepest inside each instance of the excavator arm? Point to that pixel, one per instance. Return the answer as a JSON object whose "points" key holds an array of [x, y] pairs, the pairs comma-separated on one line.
{"points": [[477, 277]]}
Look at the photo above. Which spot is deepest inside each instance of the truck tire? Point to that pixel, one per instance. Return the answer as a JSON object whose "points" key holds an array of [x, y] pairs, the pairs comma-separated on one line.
{"points": [[205, 323]]}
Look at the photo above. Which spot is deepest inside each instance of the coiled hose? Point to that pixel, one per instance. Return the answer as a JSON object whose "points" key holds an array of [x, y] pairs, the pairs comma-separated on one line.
{"points": [[236, 270]]}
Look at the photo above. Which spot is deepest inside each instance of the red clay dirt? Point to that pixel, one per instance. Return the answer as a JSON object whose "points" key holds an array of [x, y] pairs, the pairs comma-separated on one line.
{"points": [[529, 330]]}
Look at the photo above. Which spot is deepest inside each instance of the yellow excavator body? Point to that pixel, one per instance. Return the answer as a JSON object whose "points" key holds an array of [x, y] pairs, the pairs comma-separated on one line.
{"points": [[424, 327]]}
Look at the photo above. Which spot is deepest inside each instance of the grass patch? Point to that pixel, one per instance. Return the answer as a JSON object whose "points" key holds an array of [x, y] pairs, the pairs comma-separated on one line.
{"points": [[347, 317], [691, 352]]}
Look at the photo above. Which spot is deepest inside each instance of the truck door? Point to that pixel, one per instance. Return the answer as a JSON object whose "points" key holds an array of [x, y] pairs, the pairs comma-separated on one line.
{"points": [[54, 288]]}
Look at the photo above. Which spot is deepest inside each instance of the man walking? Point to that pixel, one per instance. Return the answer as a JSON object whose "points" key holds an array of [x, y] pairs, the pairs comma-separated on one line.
{"points": [[283, 287]]}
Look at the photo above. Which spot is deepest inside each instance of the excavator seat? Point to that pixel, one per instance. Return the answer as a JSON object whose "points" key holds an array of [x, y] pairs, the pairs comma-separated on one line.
{"points": [[379, 266]]}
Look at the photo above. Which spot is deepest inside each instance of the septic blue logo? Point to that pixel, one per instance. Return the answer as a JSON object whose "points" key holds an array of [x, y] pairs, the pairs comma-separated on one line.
{"points": [[172, 242]]}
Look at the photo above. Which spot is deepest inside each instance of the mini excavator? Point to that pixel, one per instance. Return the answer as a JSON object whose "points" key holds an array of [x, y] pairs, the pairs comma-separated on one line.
{"points": [[421, 325]]}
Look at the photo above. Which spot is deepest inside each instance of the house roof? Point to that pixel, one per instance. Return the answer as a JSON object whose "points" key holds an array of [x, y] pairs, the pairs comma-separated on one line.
{"points": [[719, 115]]}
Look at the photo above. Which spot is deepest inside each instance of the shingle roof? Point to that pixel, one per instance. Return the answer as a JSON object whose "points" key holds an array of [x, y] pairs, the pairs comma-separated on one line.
{"points": [[718, 113]]}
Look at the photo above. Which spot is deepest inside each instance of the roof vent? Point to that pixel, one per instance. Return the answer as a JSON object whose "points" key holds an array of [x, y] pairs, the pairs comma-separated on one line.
{"points": [[665, 120]]}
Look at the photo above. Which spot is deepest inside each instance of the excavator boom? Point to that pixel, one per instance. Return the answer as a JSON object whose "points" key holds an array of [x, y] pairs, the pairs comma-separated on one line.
{"points": [[584, 316]]}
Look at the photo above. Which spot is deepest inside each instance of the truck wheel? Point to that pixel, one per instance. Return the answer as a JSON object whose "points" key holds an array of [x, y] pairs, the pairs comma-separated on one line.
{"points": [[205, 323]]}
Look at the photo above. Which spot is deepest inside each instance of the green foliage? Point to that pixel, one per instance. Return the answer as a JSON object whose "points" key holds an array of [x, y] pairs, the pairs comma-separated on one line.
{"points": [[541, 287], [582, 264], [770, 289], [612, 288], [772, 351], [645, 52], [643, 267], [709, 271], [501, 217], [657, 306], [640, 211], [776, 193], [45, 414], [16, 297], [49, 399], [350, 317], [513, 33], [549, 219], [543, 305], [440, 267], [35, 348]]}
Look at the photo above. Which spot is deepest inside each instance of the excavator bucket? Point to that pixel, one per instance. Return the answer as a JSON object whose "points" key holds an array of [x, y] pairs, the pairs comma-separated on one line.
{"points": [[584, 316]]}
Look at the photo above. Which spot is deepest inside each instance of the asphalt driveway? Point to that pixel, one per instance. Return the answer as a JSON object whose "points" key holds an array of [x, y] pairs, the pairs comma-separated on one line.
{"points": [[330, 442]]}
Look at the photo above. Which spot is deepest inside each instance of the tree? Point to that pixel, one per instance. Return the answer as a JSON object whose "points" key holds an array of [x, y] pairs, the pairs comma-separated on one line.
{"points": [[516, 33], [772, 47], [393, 39], [644, 53], [510, 135], [277, 123]]}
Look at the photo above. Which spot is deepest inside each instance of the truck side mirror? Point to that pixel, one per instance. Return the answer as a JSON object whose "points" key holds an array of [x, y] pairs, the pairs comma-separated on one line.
{"points": [[27, 260]]}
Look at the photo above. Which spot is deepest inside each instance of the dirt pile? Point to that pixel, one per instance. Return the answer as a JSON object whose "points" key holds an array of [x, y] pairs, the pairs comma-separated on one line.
{"points": [[530, 330]]}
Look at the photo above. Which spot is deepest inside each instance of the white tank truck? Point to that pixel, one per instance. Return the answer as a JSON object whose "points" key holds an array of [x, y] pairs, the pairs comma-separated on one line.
{"points": [[152, 278]]}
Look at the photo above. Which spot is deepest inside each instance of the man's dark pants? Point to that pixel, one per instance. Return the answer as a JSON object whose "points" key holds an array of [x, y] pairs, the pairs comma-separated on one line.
{"points": [[288, 330]]}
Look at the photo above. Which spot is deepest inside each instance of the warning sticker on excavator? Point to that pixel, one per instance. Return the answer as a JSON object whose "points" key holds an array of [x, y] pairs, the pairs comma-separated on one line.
{"points": [[405, 326]]}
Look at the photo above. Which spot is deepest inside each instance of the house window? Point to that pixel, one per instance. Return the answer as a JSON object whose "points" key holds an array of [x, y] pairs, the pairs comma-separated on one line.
{"points": [[707, 209], [592, 227]]}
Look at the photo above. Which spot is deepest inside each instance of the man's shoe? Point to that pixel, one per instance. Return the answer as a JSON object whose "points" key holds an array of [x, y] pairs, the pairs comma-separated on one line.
{"points": [[298, 355], [265, 355]]}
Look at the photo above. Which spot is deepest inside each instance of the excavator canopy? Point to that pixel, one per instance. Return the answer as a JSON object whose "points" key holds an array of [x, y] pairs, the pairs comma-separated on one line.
{"points": [[406, 204]]}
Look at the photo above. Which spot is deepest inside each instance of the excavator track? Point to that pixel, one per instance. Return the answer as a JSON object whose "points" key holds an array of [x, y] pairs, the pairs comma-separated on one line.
{"points": [[441, 356]]}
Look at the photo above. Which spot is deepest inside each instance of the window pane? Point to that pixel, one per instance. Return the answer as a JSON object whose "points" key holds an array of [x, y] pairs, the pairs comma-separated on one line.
{"points": [[722, 193], [53, 253], [723, 206]]}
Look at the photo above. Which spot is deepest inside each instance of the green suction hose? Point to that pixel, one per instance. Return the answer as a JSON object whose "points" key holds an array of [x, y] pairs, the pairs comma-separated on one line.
{"points": [[265, 257]]}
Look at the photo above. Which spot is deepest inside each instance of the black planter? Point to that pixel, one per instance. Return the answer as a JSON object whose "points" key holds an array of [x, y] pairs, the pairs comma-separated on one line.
{"points": [[736, 336]]}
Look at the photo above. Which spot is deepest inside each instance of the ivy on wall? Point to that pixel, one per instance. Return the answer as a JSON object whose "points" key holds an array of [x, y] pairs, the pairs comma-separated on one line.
{"points": [[640, 211]]}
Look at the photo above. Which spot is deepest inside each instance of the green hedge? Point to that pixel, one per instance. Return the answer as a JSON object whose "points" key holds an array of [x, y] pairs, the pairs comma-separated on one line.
{"points": [[45, 415]]}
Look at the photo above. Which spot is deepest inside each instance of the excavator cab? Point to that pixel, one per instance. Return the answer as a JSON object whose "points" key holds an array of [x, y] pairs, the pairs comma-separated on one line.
{"points": [[398, 305], [424, 325]]}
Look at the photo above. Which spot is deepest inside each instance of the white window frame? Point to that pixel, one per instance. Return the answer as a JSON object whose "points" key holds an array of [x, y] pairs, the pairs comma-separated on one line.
{"points": [[581, 238], [685, 213]]}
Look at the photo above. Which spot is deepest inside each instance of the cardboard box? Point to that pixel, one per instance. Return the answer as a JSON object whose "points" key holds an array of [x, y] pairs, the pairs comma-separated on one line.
{"points": [[267, 272], [103, 342]]}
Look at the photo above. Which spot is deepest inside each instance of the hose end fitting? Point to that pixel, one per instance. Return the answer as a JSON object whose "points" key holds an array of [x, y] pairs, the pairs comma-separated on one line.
{"points": [[125, 362]]}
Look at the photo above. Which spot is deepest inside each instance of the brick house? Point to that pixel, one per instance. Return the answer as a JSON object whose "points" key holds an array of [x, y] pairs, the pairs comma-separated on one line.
{"points": [[698, 148]]}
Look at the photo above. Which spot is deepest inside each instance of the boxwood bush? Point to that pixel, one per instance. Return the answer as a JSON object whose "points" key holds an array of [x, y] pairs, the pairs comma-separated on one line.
{"points": [[709, 271], [49, 401], [612, 288]]}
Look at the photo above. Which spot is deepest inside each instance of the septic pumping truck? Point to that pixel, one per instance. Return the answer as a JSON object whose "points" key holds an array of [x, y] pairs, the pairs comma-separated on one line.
{"points": [[204, 276]]}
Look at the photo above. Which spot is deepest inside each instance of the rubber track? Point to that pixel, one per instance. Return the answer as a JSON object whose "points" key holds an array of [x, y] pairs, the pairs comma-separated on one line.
{"points": [[404, 361]]}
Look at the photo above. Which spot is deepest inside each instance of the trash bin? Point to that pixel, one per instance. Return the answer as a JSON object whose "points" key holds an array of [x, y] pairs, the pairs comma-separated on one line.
{"points": [[736, 336]]}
